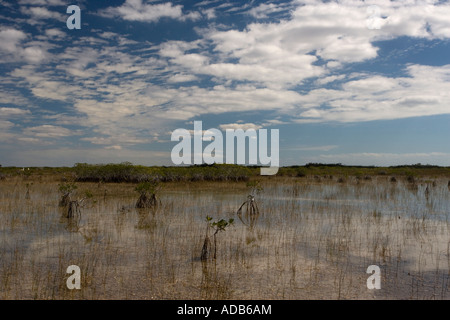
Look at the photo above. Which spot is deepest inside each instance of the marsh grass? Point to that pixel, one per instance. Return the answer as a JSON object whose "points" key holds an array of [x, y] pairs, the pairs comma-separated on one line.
{"points": [[312, 239]]}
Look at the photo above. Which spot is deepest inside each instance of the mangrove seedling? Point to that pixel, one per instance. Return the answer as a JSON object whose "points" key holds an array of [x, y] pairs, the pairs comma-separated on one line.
{"points": [[73, 210], [66, 189], [73, 213], [27, 195], [147, 194], [251, 211], [216, 226], [250, 206]]}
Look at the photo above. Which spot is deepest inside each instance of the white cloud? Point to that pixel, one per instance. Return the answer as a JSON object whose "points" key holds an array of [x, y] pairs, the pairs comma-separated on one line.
{"points": [[256, 68], [268, 64], [4, 125], [329, 79], [16, 50], [29, 139], [41, 13], [182, 78], [283, 54], [205, 3], [34, 54], [44, 2], [10, 112], [55, 33], [136, 10], [48, 131], [210, 13], [113, 147], [10, 39], [243, 126], [121, 138], [265, 9], [425, 92]]}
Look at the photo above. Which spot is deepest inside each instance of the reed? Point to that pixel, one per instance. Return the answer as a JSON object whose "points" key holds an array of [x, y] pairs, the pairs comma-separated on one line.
{"points": [[307, 238]]}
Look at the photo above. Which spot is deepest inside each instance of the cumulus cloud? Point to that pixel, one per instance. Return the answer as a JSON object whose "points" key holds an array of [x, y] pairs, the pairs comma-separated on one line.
{"points": [[48, 131], [285, 53], [10, 40], [210, 13], [16, 49], [426, 91], [55, 33], [328, 79], [8, 112], [5, 125], [124, 96], [41, 13], [264, 10], [182, 78], [137, 10]]}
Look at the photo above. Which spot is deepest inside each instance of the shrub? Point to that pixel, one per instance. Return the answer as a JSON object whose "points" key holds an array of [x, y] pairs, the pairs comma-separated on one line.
{"points": [[147, 194], [411, 179]]}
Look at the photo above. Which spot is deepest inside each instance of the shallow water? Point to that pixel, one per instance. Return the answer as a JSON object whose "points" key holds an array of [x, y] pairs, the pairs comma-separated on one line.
{"points": [[311, 240]]}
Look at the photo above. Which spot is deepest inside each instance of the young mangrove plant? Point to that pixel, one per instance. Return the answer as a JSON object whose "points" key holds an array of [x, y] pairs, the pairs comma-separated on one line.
{"points": [[251, 211], [73, 214], [251, 208], [216, 226], [147, 194], [73, 210], [27, 195], [66, 190]]}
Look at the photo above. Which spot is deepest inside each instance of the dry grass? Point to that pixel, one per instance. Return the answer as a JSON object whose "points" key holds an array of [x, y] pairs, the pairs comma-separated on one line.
{"points": [[311, 240]]}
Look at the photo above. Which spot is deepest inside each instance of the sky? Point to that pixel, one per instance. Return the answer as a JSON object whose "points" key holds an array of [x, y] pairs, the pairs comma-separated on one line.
{"points": [[352, 82]]}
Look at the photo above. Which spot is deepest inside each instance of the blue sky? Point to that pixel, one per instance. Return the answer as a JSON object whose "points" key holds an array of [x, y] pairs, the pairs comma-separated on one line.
{"points": [[340, 83]]}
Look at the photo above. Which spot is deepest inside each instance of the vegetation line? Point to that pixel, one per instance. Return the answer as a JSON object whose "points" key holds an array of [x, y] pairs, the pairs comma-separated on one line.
{"points": [[127, 172]]}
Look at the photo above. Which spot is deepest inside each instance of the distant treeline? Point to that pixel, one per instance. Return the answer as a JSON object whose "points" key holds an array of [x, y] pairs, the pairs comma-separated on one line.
{"points": [[338, 169], [127, 172]]}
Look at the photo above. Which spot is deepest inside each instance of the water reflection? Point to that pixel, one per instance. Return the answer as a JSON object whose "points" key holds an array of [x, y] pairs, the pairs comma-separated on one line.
{"points": [[71, 216], [146, 219], [248, 212]]}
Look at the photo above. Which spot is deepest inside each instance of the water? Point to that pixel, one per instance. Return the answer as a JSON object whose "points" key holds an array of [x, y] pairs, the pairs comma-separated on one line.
{"points": [[311, 240]]}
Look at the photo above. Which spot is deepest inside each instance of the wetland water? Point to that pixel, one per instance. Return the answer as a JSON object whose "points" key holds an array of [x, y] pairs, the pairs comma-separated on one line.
{"points": [[312, 240]]}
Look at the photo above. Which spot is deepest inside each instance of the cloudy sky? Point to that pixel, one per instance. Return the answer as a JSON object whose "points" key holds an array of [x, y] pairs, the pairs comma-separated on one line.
{"points": [[355, 82]]}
